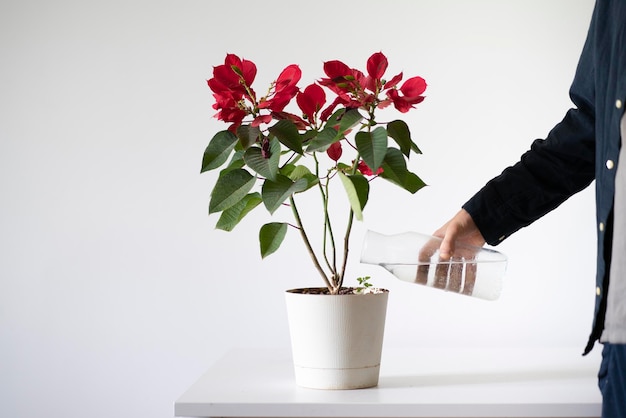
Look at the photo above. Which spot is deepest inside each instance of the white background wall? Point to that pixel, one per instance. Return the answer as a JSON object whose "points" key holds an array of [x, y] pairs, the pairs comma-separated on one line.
{"points": [[116, 292]]}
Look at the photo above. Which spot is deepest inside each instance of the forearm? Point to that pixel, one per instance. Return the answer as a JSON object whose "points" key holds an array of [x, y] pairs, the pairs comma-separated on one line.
{"points": [[550, 172]]}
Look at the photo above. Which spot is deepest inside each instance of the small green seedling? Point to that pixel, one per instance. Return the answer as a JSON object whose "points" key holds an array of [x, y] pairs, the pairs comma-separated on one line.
{"points": [[363, 283]]}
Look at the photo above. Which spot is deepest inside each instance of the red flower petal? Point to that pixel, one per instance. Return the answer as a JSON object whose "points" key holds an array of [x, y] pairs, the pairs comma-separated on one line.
{"points": [[364, 168], [366, 171], [289, 77], [249, 72], [282, 98], [311, 100], [411, 90], [226, 77], [334, 151], [336, 69], [394, 81], [232, 59], [242, 67], [261, 119], [297, 120], [413, 87], [339, 100], [377, 65]]}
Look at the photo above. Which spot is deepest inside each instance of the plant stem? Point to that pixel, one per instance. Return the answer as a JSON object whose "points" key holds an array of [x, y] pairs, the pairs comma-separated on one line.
{"points": [[346, 245], [307, 243], [328, 231], [346, 238]]}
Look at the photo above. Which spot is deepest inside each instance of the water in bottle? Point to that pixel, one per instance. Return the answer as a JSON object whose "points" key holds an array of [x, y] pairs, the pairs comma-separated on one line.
{"points": [[414, 258]]}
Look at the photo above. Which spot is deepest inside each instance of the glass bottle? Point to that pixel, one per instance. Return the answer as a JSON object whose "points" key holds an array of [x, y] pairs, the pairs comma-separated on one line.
{"points": [[413, 257]]}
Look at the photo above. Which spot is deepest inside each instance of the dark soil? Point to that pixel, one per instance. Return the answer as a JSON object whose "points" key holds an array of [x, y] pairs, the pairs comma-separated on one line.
{"points": [[324, 291]]}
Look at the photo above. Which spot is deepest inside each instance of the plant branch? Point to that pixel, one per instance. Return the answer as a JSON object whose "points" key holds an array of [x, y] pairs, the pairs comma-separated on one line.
{"points": [[307, 243], [346, 238], [346, 245], [328, 231], [325, 232]]}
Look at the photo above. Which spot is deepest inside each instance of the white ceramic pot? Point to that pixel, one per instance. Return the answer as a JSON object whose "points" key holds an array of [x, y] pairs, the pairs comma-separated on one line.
{"points": [[336, 339]]}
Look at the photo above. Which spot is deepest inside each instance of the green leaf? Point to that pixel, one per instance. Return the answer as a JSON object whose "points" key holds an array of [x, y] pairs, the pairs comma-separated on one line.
{"points": [[218, 150], [288, 135], [266, 167], [235, 162], [357, 187], [372, 146], [343, 167], [248, 135], [234, 214], [274, 193], [400, 132], [333, 120], [394, 167], [271, 236], [229, 189], [394, 170], [349, 120], [413, 183], [297, 172], [345, 119], [323, 140]]}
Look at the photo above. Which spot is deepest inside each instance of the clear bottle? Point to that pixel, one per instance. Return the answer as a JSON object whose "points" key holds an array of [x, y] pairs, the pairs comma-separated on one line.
{"points": [[414, 258]]}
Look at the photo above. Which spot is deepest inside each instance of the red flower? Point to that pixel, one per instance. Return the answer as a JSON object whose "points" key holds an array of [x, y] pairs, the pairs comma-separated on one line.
{"points": [[366, 171], [229, 109], [233, 75], [412, 90], [334, 151], [351, 85], [376, 67], [342, 80], [311, 100], [230, 84], [285, 89]]}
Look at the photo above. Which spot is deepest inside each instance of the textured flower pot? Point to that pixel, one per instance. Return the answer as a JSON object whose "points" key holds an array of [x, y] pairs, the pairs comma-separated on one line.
{"points": [[336, 339]]}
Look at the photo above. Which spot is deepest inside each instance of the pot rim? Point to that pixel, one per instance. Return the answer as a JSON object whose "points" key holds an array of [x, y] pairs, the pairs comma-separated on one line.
{"points": [[301, 291]]}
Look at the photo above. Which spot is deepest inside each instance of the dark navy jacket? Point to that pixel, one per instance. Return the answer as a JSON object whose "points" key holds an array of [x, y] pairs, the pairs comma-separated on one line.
{"points": [[584, 146]]}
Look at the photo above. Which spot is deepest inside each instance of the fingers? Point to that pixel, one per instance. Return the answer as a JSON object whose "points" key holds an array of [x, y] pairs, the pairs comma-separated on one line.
{"points": [[455, 270], [461, 228], [447, 244]]}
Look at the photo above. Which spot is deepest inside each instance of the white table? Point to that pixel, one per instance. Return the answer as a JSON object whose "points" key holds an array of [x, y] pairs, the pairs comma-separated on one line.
{"points": [[413, 383]]}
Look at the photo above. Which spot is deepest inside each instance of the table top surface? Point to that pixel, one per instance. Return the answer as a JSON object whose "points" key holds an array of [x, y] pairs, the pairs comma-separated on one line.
{"points": [[429, 382]]}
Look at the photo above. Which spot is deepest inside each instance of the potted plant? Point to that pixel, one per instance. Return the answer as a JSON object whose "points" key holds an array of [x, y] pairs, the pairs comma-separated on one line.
{"points": [[271, 154]]}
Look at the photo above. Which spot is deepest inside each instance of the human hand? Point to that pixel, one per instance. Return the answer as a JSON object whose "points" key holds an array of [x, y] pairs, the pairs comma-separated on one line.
{"points": [[461, 228], [454, 269]]}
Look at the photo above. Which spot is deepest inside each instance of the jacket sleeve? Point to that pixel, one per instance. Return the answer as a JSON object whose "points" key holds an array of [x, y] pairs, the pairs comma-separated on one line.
{"points": [[552, 170]]}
